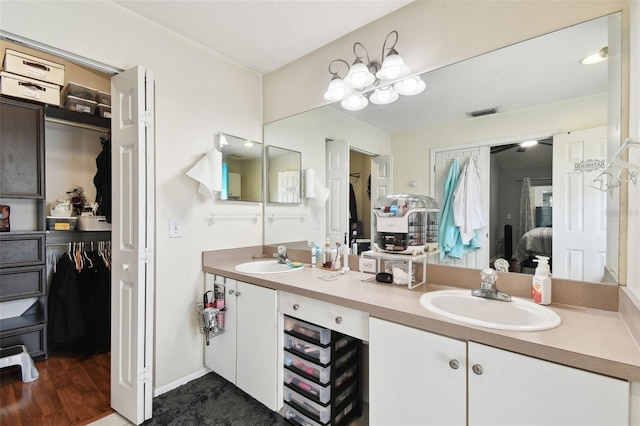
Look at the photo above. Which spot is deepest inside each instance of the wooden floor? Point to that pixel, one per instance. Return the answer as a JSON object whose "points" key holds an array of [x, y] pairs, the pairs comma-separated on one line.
{"points": [[72, 390]]}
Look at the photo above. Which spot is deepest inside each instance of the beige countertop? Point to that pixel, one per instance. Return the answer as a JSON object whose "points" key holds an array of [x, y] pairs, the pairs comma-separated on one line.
{"points": [[591, 339]]}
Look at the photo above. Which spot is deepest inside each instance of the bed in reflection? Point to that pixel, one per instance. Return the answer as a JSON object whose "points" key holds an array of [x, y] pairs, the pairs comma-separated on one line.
{"points": [[534, 242]]}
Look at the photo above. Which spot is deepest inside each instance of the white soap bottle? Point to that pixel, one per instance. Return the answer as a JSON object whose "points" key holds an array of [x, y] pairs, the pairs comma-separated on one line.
{"points": [[541, 288]]}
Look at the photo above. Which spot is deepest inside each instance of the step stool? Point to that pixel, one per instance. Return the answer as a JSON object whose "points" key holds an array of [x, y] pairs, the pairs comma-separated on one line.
{"points": [[18, 355]]}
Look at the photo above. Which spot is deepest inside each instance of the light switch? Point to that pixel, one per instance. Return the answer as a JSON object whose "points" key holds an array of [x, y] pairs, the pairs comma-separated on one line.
{"points": [[508, 216], [175, 228]]}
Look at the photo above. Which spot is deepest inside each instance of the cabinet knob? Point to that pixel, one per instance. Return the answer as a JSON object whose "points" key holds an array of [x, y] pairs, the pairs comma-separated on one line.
{"points": [[231, 291], [296, 306], [238, 294], [477, 368], [454, 364], [338, 320]]}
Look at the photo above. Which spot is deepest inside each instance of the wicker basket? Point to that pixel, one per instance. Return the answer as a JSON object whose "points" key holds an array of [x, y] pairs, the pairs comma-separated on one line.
{"points": [[93, 223]]}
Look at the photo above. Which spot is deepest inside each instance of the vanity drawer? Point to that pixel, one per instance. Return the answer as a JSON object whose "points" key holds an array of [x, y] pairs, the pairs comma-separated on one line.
{"points": [[339, 318]]}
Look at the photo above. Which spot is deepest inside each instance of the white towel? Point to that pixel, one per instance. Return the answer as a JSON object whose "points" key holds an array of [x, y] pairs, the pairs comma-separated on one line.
{"points": [[208, 172], [322, 194]]}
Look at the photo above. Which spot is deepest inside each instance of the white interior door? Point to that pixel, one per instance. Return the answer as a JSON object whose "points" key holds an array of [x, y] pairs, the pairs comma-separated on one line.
{"points": [[289, 187], [337, 160], [579, 211], [132, 154], [440, 163]]}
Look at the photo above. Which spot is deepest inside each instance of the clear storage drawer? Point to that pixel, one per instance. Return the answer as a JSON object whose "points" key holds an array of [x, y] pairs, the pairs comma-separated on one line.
{"points": [[322, 374], [342, 360], [317, 411], [309, 331], [297, 418], [318, 353], [306, 387]]}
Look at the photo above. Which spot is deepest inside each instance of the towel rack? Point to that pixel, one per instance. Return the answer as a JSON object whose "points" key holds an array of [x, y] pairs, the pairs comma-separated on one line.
{"points": [[275, 217], [605, 181], [253, 217]]}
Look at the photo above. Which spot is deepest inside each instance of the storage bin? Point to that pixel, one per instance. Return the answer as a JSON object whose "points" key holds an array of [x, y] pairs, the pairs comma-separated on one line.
{"points": [[341, 415], [79, 91], [93, 223], [322, 374], [318, 353], [315, 410], [103, 98], [74, 103], [345, 358], [103, 111], [307, 331], [27, 88], [306, 387], [295, 417], [342, 342], [346, 376], [346, 393], [57, 223], [33, 67]]}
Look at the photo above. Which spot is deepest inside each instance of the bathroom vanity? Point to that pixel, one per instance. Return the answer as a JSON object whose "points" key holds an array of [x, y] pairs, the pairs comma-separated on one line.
{"points": [[423, 366]]}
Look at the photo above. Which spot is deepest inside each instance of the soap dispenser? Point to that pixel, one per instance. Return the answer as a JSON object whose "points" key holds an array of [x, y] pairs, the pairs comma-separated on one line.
{"points": [[541, 289]]}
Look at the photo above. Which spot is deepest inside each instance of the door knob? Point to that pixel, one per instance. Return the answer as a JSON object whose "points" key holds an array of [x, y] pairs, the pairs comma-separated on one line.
{"points": [[477, 368], [454, 364]]}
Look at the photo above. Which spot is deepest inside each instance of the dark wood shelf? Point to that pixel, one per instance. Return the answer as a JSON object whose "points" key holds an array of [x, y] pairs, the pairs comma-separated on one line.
{"points": [[77, 117]]}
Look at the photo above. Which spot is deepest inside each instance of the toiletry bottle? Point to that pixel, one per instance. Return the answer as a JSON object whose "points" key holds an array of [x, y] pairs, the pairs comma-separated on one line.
{"points": [[326, 255], [314, 255], [336, 260], [541, 289]]}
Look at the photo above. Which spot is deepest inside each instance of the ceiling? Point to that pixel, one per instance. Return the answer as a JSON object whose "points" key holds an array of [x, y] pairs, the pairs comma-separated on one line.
{"points": [[262, 35]]}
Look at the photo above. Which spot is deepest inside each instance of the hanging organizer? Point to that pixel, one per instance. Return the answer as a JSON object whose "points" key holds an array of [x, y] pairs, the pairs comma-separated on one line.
{"points": [[210, 319]]}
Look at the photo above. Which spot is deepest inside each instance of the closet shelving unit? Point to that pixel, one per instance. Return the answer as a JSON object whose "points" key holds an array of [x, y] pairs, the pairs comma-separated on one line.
{"points": [[23, 252], [322, 375]]}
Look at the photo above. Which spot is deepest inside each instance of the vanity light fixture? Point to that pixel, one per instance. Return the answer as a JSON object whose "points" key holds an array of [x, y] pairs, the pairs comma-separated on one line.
{"points": [[595, 58], [363, 75]]}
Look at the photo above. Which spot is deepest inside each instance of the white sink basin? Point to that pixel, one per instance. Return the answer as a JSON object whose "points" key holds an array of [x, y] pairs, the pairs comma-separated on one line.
{"points": [[265, 267], [517, 315]]}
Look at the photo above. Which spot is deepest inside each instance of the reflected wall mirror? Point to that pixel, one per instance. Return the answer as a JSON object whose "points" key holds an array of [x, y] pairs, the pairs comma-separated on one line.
{"points": [[538, 88], [241, 169], [283, 175]]}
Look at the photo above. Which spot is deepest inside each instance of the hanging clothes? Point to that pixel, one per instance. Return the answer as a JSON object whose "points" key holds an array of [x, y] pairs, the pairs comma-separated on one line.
{"points": [[66, 322], [102, 179], [467, 203], [525, 222], [449, 242], [353, 208]]}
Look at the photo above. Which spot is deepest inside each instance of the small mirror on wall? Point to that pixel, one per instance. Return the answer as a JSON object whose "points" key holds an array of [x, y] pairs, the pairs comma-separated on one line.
{"points": [[283, 175], [241, 169]]}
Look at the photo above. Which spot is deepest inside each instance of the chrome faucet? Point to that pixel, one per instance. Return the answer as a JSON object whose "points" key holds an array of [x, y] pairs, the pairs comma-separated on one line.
{"points": [[488, 288], [281, 255]]}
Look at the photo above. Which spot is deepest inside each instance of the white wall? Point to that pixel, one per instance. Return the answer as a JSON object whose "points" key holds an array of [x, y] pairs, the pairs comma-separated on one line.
{"points": [[307, 133], [198, 93], [633, 211]]}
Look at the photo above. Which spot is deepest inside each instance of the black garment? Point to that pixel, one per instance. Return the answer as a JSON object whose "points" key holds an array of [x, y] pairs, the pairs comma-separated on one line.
{"points": [[102, 180], [353, 208], [95, 296], [66, 320]]}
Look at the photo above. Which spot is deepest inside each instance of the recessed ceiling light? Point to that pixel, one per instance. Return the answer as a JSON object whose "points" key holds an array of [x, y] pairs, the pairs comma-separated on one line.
{"points": [[594, 58], [248, 143]]}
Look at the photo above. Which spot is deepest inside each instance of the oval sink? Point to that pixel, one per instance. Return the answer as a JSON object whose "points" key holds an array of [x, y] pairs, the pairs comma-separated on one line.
{"points": [[517, 315], [265, 267]]}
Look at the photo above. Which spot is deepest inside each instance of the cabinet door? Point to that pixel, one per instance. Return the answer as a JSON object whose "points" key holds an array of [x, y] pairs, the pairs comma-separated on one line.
{"points": [[518, 390], [220, 354], [21, 149], [257, 342], [412, 377]]}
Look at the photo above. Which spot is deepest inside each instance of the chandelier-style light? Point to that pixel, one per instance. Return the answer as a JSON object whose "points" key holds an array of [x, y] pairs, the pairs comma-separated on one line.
{"points": [[367, 75]]}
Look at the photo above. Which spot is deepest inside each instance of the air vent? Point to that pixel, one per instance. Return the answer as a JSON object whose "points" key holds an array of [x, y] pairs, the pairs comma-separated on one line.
{"points": [[482, 112]]}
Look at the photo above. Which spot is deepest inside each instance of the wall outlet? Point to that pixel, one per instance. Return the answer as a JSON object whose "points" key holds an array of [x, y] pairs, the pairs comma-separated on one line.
{"points": [[368, 265]]}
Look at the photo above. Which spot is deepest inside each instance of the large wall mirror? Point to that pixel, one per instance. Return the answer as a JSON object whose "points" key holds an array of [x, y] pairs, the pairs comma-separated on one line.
{"points": [[241, 169], [539, 90], [283, 175]]}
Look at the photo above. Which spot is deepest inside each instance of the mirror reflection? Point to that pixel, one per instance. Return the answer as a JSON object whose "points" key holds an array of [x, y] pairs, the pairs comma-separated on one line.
{"points": [[485, 107], [241, 169], [283, 175]]}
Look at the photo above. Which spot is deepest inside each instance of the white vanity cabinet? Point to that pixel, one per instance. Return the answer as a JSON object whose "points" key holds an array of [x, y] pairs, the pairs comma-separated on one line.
{"points": [[416, 377], [246, 354]]}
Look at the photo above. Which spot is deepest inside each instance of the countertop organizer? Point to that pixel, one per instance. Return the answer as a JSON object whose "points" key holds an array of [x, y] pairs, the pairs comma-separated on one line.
{"points": [[368, 270], [322, 375]]}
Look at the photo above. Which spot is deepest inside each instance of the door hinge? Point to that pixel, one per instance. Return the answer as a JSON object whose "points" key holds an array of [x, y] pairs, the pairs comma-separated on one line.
{"points": [[145, 118], [145, 375], [147, 256]]}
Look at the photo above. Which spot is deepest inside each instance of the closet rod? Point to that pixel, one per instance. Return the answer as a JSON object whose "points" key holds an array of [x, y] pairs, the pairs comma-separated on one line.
{"points": [[74, 242], [74, 124], [532, 179]]}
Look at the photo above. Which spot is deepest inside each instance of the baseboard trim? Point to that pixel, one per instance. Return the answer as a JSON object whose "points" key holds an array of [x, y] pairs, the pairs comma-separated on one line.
{"points": [[184, 380]]}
